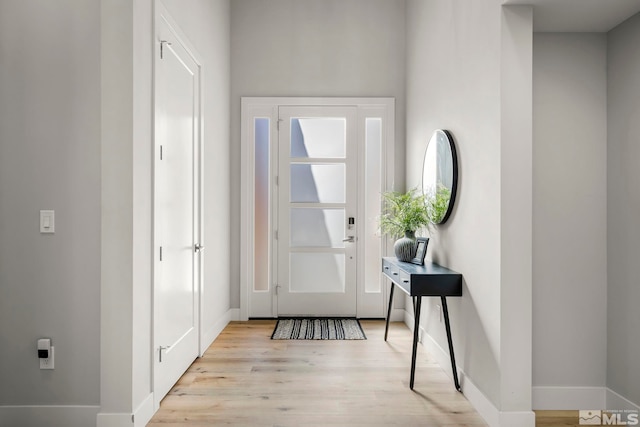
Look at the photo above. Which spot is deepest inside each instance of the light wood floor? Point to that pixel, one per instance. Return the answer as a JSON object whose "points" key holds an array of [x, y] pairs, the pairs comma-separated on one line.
{"points": [[557, 419], [247, 379]]}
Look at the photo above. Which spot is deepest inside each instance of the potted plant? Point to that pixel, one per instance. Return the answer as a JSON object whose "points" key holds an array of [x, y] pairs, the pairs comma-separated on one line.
{"points": [[403, 214]]}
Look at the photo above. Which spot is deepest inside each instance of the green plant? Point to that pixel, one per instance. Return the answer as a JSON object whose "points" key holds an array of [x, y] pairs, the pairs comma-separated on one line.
{"points": [[403, 212], [437, 203]]}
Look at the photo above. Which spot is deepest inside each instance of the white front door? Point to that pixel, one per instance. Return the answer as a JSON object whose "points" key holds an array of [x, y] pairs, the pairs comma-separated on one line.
{"points": [[176, 210], [317, 187], [308, 167]]}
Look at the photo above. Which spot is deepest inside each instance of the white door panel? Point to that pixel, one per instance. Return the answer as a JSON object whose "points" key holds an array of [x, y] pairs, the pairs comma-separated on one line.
{"points": [[317, 196], [176, 219]]}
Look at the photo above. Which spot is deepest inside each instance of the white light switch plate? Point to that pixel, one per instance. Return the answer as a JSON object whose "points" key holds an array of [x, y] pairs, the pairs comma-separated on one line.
{"points": [[47, 222]]}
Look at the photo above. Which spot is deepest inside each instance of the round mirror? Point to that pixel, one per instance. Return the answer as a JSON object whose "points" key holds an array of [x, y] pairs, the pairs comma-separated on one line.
{"points": [[440, 176]]}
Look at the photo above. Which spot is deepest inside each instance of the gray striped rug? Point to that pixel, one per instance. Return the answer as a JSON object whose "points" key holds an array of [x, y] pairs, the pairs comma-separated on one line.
{"points": [[318, 329]]}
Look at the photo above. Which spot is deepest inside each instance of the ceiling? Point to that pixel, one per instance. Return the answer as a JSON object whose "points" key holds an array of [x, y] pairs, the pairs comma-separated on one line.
{"points": [[579, 15]]}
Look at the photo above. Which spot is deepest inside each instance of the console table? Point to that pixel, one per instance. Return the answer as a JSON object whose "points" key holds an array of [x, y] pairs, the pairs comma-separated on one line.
{"points": [[417, 281]]}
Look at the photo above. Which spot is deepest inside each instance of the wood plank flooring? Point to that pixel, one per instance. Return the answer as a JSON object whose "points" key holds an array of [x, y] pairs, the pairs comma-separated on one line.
{"points": [[247, 379], [557, 419]]}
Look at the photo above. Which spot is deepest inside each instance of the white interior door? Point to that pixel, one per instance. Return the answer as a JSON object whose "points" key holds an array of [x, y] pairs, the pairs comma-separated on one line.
{"points": [[176, 220], [317, 180]]}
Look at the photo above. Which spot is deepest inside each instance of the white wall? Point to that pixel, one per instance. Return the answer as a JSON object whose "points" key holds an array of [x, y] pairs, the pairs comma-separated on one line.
{"points": [[313, 48], [469, 71], [453, 82], [75, 132], [50, 159], [623, 213], [141, 337], [516, 222], [570, 217]]}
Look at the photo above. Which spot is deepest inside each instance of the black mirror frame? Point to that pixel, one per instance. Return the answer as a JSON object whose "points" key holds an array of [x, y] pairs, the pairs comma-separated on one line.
{"points": [[454, 185]]}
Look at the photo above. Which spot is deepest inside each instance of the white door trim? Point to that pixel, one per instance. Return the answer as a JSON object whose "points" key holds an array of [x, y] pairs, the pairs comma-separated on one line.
{"points": [[267, 107]]}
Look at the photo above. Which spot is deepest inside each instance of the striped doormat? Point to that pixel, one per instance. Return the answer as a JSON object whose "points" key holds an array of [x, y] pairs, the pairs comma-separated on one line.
{"points": [[318, 329]]}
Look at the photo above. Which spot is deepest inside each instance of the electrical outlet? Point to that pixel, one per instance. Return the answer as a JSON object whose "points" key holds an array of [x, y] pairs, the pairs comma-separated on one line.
{"points": [[439, 307], [47, 363], [420, 334]]}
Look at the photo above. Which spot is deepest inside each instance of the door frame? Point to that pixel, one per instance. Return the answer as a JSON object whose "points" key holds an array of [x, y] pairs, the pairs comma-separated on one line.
{"points": [[162, 14], [267, 107]]}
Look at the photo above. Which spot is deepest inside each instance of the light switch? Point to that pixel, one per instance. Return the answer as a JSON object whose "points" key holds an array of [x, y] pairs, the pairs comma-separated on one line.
{"points": [[47, 222]]}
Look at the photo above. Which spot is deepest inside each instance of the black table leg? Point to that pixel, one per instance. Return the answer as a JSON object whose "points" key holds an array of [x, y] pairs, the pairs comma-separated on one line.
{"points": [[416, 329], [453, 358], [386, 328]]}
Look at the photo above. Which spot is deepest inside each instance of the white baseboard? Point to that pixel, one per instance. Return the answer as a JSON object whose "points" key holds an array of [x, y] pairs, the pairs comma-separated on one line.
{"points": [[50, 416], [480, 402], [144, 412], [397, 315], [518, 419], [209, 336], [114, 420], [408, 319], [577, 398], [476, 397], [615, 401], [568, 398], [140, 417]]}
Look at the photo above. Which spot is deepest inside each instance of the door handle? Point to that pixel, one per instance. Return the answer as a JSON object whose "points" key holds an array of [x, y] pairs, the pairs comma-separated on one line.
{"points": [[197, 247], [349, 239]]}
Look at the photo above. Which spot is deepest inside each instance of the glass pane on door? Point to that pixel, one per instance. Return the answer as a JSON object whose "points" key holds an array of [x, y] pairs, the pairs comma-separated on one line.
{"points": [[318, 137], [317, 228], [317, 272], [373, 202], [262, 203], [314, 184], [317, 183]]}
